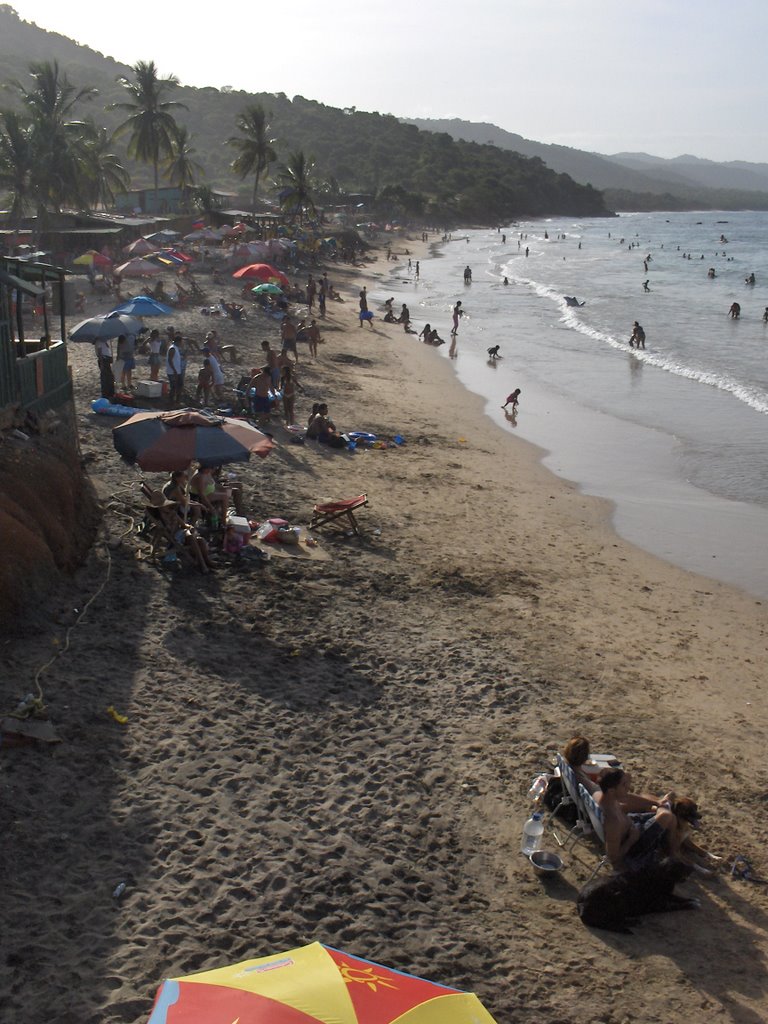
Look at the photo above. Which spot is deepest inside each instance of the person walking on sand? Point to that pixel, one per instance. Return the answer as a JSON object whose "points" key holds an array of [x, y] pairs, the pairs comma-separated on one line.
{"points": [[458, 313], [512, 400]]}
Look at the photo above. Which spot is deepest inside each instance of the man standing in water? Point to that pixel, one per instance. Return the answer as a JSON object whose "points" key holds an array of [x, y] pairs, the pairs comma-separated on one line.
{"points": [[467, 275], [458, 312]]}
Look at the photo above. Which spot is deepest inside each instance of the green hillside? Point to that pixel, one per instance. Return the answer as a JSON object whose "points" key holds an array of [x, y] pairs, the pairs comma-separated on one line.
{"points": [[422, 173]]}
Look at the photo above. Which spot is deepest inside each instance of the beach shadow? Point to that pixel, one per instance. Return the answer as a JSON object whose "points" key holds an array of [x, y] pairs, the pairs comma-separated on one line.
{"points": [[695, 940]]}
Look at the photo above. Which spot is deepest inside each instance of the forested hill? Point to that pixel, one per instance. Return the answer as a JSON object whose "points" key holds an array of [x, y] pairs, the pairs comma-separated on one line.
{"points": [[356, 151]]}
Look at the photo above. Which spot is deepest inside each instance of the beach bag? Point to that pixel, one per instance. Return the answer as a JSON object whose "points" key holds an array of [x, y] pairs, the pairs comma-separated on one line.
{"points": [[553, 801]]}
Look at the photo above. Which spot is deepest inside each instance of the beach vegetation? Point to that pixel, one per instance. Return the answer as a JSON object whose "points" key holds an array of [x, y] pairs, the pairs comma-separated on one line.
{"points": [[296, 185], [150, 125], [255, 149], [183, 167]]}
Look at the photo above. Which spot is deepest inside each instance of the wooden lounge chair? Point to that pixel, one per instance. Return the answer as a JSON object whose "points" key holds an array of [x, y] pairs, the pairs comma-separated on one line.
{"points": [[338, 513]]}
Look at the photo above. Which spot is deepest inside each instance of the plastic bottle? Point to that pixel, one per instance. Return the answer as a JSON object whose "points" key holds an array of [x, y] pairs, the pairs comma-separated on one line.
{"points": [[539, 788], [533, 830]]}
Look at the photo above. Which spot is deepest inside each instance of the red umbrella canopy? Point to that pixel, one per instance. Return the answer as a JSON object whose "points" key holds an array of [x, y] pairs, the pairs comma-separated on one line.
{"points": [[262, 272], [163, 442], [312, 984]]}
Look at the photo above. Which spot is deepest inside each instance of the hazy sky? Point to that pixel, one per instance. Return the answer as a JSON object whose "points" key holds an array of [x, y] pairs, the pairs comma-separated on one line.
{"points": [[663, 76]]}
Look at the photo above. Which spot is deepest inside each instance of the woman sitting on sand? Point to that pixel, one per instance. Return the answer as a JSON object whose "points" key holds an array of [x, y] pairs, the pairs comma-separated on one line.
{"points": [[426, 333], [321, 428]]}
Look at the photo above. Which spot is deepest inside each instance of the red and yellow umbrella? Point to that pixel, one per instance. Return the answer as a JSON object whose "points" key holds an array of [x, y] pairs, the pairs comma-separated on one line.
{"points": [[308, 985]]}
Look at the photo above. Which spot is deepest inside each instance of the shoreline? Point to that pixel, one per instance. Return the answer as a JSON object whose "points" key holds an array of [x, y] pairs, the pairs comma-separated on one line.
{"points": [[341, 750], [636, 465]]}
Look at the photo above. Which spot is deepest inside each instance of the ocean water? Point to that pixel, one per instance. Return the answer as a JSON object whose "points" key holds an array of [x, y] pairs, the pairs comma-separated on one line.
{"points": [[674, 435]]}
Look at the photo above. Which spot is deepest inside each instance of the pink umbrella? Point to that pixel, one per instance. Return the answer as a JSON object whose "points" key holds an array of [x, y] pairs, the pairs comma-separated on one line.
{"points": [[140, 268], [262, 272], [141, 247]]}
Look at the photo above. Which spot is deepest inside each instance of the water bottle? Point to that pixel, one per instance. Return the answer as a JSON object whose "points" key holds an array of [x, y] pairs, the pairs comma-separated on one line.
{"points": [[538, 788], [533, 830]]}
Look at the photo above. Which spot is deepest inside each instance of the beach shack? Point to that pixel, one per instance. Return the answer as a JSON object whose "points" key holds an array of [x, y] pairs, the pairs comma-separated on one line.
{"points": [[34, 371]]}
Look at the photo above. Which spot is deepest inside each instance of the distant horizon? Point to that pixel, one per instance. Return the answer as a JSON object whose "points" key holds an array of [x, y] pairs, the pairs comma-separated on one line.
{"points": [[648, 80]]}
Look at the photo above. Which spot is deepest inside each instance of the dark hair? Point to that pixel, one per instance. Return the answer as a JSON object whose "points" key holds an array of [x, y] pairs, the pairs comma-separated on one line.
{"points": [[576, 751], [610, 778]]}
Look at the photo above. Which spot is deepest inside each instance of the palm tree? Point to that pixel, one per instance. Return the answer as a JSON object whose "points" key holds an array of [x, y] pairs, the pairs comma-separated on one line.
{"points": [[104, 172], [255, 152], [182, 168], [54, 139], [151, 124], [16, 164], [297, 185]]}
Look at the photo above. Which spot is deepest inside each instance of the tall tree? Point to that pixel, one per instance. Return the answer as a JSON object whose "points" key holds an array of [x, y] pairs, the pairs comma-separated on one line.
{"points": [[54, 139], [104, 173], [182, 167], [255, 152], [297, 187], [151, 124], [16, 164]]}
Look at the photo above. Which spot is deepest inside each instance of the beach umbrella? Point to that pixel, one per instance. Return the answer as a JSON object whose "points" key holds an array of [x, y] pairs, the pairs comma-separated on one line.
{"points": [[176, 254], [262, 272], [309, 984], [139, 268], [267, 289], [92, 259], [141, 247], [164, 259], [105, 325], [163, 237], [143, 305], [162, 442]]}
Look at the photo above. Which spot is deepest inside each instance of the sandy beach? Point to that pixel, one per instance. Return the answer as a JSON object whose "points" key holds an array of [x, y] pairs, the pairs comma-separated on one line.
{"points": [[340, 749]]}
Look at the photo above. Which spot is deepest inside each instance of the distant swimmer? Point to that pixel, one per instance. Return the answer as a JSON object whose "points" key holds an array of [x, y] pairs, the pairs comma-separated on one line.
{"points": [[571, 300], [765, 315], [506, 280], [750, 279], [512, 399], [637, 338], [467, 275], [645, 286], [711, 272], [493, 352], [735, 311]]}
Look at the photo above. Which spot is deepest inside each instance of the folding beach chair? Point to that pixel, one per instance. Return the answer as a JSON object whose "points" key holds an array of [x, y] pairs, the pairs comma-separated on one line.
{"points": [[338, 513], [570, 783], [595, 814], [157, 530]]}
